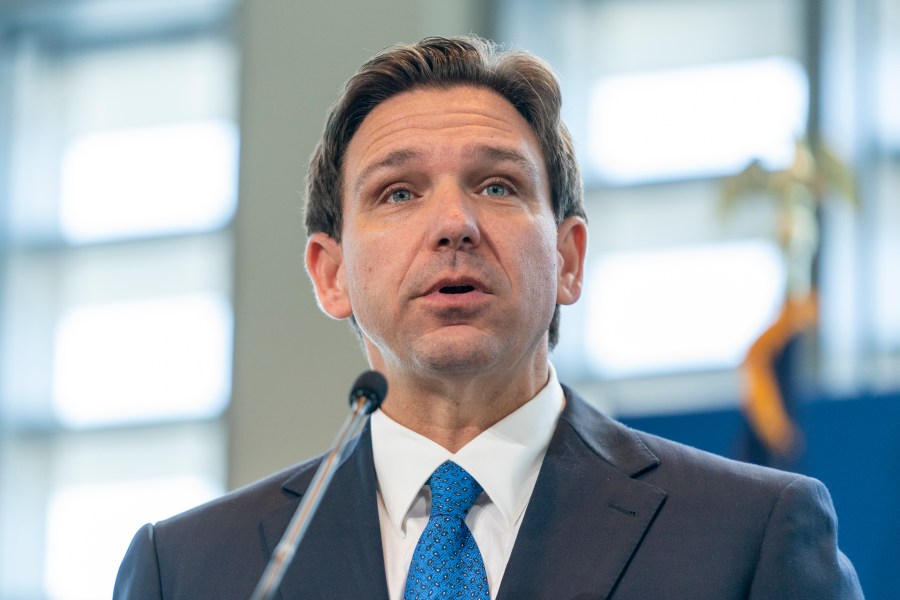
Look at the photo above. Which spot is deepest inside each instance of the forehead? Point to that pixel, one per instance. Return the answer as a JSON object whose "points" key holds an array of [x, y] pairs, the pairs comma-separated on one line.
{"points": [[429, 120]]}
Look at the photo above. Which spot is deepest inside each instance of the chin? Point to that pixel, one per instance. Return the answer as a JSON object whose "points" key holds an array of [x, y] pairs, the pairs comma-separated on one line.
{"points": [[456, 357], [452, 365]]}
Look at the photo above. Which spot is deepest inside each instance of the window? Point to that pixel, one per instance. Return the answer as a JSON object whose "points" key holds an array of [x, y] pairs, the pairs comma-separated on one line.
{"points": [[701, 121], [717, 298], [119, 153]]}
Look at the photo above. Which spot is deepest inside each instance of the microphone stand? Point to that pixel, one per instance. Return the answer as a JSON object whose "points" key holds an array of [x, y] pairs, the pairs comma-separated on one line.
{"points": [[363, 402]]}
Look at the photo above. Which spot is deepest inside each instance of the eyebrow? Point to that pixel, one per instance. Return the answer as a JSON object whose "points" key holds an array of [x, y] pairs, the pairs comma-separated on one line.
{"points": [[496, 154], [394, 159]]}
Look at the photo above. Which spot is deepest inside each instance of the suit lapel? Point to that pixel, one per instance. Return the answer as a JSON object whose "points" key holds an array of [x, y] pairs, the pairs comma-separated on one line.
{"points": [[341, 555], [587, 514]]}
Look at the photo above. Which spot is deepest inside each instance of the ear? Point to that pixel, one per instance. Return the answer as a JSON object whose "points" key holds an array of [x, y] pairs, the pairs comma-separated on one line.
{"points": [[571, 247], [325, 265]]}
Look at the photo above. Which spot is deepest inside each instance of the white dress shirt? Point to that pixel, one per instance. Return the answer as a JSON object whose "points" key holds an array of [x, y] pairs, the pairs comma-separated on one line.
{"points": [[504, 460]]}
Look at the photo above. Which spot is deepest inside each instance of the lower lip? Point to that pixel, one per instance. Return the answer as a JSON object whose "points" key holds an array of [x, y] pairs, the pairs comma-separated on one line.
{"points": [[469, 300]]}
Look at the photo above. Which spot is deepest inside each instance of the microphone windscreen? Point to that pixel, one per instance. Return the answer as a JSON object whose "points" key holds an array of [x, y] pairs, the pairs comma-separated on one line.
{"points": [[373, 386]]}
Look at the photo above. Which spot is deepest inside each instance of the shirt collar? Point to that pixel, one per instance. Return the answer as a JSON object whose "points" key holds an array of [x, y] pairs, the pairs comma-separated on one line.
{"points": [[504, 459]]}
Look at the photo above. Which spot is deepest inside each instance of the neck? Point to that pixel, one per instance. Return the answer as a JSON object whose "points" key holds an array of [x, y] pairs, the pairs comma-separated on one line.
{"points": [[453, 411]]}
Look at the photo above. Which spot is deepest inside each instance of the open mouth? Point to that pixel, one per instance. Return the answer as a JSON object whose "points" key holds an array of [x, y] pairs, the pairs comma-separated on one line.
{"points": [[456, 289]]}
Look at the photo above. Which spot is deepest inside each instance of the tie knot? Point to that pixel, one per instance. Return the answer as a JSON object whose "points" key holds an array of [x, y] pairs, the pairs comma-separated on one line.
{"points": [[453, 491]]}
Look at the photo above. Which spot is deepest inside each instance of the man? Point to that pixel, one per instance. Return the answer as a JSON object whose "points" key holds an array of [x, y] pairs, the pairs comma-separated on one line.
{"points": [[445, 220]]}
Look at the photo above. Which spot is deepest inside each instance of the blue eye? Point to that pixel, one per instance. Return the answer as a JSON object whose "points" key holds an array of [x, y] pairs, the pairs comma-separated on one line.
{"points": [[400, 196], [496, 189]]}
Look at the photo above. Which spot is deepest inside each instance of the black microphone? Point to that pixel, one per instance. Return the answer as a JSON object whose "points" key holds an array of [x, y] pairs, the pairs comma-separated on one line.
{"points": [[366, 395], [372, 386]]}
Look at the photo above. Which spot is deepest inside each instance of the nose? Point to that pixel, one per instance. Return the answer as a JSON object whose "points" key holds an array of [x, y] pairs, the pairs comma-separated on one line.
{"points": [[455, 220]]}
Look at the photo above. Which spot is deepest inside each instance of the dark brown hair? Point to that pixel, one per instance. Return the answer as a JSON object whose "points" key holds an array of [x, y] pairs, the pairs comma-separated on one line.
{"points": [[523, 79]]}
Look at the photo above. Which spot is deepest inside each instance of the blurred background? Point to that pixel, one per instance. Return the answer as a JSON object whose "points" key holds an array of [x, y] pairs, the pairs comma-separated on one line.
{"points": [[159, 340]]}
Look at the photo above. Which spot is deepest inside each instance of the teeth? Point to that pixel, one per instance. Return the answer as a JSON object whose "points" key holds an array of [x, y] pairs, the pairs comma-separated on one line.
{"points": [[456, 289]]}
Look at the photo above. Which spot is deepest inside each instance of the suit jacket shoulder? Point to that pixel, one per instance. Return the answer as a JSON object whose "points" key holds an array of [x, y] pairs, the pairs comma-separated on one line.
{"points": [[220, 549], [638, 516]]}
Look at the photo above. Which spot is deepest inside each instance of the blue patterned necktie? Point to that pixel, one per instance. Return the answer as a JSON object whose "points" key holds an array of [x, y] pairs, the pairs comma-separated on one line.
{"points": [[446, 562]]}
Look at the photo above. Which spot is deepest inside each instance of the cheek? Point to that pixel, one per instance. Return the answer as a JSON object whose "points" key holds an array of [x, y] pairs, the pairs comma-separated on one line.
{"points": [[371, 270], [545, 248], [536, 255]]}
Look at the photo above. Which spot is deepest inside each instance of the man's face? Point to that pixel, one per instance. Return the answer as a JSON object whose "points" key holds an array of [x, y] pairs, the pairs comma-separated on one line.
{"points": [[450, 258]]}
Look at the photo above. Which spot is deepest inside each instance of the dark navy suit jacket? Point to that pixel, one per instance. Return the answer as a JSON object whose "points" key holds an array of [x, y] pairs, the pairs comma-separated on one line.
{"points": [[615, 513]]}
